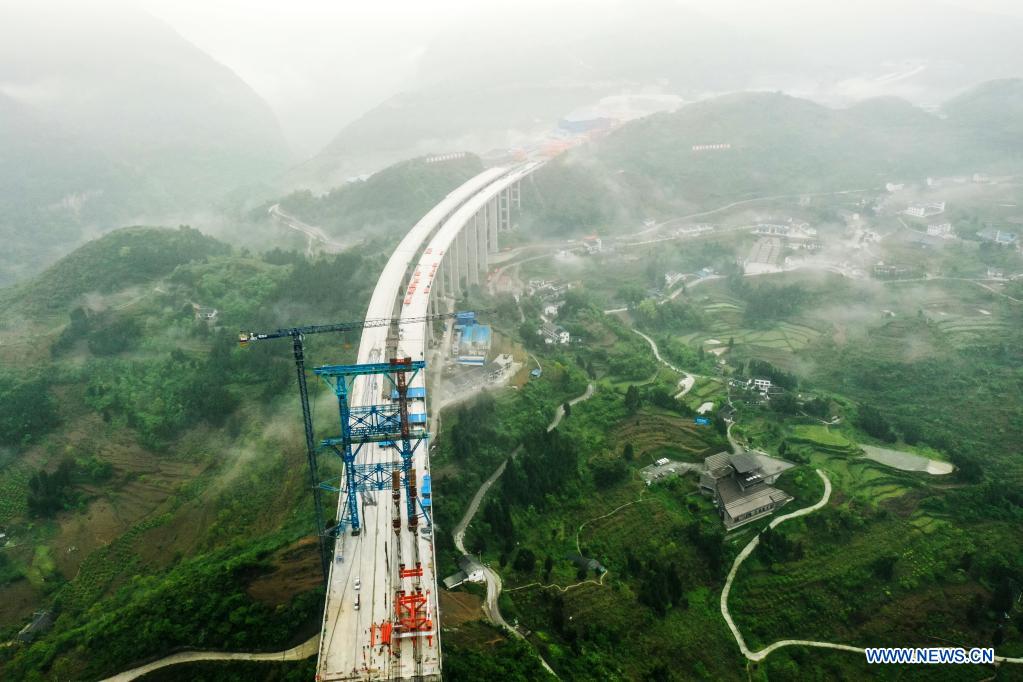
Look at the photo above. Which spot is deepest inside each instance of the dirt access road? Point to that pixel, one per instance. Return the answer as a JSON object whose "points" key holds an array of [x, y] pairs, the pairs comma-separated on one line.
{"points": [[298, 653], [494, 584]]}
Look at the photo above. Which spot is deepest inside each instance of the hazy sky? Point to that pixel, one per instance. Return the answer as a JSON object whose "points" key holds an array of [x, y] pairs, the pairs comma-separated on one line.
{"points": [[318, 63], [321, 63]]}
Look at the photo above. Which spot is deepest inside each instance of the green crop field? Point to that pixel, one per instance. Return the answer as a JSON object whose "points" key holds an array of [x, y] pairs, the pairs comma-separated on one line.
{"points": [[820, 435]]}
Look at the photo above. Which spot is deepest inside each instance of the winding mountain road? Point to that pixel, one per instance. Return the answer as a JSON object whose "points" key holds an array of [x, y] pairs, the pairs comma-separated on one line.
{"points": [[734, 204], [688, 380], [744, 554], [312, 233], [301, 652], [494, 584]]}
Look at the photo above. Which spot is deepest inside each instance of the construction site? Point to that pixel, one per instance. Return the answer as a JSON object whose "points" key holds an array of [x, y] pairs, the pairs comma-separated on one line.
{"points": [[381, 616]]}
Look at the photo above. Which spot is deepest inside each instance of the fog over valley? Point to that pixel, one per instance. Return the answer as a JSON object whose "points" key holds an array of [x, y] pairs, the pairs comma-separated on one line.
{"points": [[447, 341]]}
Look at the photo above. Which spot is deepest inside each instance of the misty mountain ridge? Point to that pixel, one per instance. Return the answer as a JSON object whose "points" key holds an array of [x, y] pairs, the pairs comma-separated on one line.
{"points": [[994, 110], [520, 82], [519, 85], [122, 121], [383, 205], [777, 145]]}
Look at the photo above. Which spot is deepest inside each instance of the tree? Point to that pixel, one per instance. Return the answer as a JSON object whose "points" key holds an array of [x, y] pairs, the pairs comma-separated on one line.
{"points": [[818, 407], [911, 432], [785, 403], [527, 332], [50, 493], [661, 587], [1004, 595], [776, 547], [762, 368], [720, 425], [874, 423], [548, 566], [968, 469], [631, 295], [655, 272], [77, 329], [647, 311], [567, 407], [628, 452], [607, 472], [525, 561], [884, 566], [28, 410], [766, 303], [115, 336], [576, 300], [632, 399]]}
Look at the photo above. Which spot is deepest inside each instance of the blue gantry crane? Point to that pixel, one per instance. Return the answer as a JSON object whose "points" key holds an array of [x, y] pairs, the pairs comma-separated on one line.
{"points": [[386, 424], [370, 422]]}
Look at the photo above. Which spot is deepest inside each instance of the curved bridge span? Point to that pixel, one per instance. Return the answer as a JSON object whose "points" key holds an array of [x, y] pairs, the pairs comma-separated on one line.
{"points": [[449, 246]]}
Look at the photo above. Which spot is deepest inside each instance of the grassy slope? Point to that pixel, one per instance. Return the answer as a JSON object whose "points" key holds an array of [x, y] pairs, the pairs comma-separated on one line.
{"points": [[191, 511]]}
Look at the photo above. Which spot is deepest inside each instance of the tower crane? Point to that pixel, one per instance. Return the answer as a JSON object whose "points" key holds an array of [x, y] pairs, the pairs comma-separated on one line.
{"points": [[297, 335]]}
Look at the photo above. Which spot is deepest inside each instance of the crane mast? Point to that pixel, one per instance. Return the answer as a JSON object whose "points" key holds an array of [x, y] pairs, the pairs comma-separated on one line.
{"points": [[297, 335]]}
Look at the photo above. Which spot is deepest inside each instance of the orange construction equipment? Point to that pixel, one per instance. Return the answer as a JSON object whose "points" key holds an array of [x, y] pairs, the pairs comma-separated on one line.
{"points": [[411, 611], [410, 572]]}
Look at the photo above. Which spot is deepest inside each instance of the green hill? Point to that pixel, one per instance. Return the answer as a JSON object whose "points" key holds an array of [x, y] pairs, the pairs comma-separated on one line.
{"points": [[513, 88], [778, 145], [993, 112], [125, 119], [144, 455], [116, 261], [388, 201]]}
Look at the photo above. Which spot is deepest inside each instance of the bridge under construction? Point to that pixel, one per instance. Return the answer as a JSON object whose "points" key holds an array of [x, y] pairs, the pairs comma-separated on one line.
{"points": [[381, 617]]}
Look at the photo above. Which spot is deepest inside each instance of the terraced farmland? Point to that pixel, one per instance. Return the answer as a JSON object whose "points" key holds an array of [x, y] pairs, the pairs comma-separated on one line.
{"points": [[964, 330], [822, 438], [724, 321], [667, 433], [14, 491]]}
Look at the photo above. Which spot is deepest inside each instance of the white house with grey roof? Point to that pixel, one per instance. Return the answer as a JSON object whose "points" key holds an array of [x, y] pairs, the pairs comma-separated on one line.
{"points": [[740, 488], [471, 572]]}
